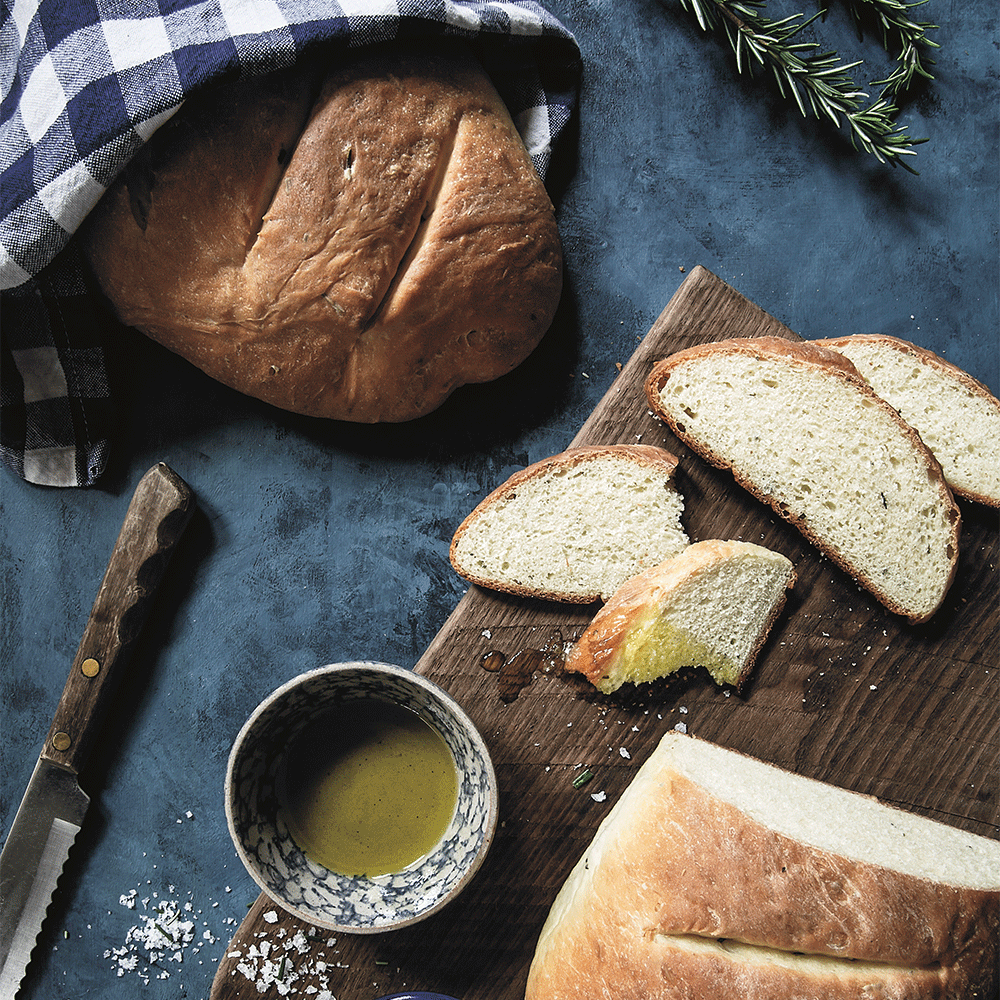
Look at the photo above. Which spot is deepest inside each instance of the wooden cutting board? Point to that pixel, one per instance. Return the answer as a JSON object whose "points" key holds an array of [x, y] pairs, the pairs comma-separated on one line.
{"points": [[843, 691]]}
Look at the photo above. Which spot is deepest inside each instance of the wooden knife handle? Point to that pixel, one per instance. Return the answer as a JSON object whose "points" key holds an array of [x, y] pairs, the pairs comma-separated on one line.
{"points": [[160, 510]]}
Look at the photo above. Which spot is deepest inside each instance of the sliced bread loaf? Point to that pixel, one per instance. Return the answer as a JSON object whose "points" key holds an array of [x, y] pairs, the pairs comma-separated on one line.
{"points": [[800, 429], [717, 875], [957, 417], [712, 605], [575, 526]]}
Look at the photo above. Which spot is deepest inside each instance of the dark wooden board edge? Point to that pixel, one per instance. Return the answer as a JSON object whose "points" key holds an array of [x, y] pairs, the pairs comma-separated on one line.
{"points": [[843, 692]]}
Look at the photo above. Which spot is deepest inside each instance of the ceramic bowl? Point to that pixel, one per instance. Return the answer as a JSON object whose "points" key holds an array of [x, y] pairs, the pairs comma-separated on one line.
{"points": [[361, 905]]}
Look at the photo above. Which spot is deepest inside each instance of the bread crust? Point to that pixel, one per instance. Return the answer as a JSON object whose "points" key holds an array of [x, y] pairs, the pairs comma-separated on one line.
{"points": [[352, 243], [648, 455], [836, 366], [682, 895], [922, 354], [602, 640], [946, 368]]}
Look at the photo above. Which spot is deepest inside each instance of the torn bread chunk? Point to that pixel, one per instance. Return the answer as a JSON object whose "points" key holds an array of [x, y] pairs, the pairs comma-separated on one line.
{"points": [[799, 428], [712, 605], [717, 875], [575, 526], [956, 416]]}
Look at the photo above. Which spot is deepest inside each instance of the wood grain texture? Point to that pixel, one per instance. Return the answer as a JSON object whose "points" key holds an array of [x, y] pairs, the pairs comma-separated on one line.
{"points": [[843, 692], [156, 517]]}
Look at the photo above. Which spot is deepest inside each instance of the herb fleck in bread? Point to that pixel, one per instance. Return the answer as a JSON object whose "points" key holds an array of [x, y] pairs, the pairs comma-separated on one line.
{"points": [[801, 430], [575, 526], [957, 417], [712, 605], [716, 875]]}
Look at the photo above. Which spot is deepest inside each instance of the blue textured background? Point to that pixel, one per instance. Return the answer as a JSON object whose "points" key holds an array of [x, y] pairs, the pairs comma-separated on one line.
{"points": [[315, 543]]}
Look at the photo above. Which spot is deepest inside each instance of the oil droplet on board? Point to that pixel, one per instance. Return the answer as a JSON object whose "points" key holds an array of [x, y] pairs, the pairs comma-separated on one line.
{"points": [[516, 672]]}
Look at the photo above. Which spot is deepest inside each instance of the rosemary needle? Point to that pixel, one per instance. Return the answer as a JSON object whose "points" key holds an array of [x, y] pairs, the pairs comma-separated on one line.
{"points": [[818, 82]]}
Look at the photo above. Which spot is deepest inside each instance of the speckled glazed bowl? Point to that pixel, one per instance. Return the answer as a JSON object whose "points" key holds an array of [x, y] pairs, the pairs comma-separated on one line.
{"points": [[360, 905]]}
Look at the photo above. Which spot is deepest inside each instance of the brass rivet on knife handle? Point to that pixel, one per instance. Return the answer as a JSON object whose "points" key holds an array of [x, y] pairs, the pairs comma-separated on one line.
{"points": [[157, 515]]}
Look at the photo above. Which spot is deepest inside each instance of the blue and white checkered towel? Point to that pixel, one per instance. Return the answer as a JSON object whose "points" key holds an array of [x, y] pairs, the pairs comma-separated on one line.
{"points": [[85, 84]]}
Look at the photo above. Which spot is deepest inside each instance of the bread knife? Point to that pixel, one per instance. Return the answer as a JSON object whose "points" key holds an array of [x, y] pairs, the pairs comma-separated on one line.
{"points": [[52, 810]]}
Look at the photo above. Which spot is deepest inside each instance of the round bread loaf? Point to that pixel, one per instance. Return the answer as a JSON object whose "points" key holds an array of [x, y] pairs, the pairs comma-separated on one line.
{"points": [[351, 243]]}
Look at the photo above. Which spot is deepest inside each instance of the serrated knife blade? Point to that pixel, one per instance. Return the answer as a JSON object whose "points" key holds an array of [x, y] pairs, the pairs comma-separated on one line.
{"points": [[46, 824], [54, 805]]}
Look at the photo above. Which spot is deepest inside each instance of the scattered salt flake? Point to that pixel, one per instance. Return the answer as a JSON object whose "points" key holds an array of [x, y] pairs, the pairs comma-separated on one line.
{"points": [[683, 709], [872, 687], [625, 753], [681, 727], [271, 917], [162, 935], [599, 796], [486, 634]]}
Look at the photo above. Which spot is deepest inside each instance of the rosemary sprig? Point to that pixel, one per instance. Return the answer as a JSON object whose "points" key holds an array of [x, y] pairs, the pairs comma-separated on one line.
{"points": [[901, 32], [818, 82]]}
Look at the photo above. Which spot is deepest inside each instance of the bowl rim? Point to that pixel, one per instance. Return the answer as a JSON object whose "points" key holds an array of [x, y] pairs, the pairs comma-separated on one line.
{"points": [[434, 690]]}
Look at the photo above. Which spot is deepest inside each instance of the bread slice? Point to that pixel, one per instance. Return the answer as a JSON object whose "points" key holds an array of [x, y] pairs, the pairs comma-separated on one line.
{"points": [[716, 875], [800, 429], [575, 526], [712, 605], [957, 417]]}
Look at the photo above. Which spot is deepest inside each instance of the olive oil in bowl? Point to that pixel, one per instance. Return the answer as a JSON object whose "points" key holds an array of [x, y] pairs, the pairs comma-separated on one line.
{"points": [[368, 788]]}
